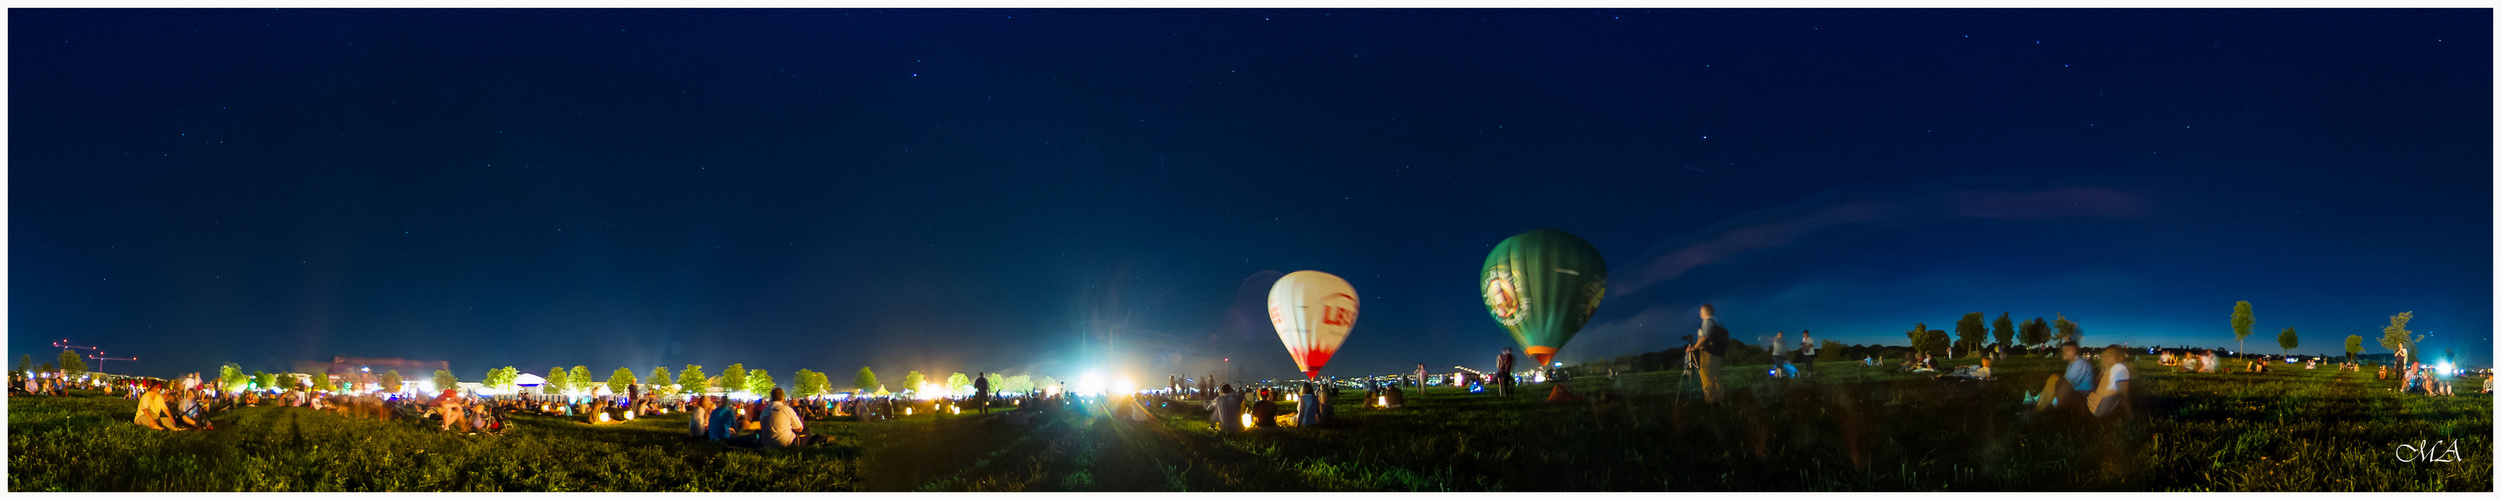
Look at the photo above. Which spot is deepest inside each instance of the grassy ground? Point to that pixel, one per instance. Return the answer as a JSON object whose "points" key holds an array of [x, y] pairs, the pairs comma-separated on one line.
{"points": [[1850, 428]]}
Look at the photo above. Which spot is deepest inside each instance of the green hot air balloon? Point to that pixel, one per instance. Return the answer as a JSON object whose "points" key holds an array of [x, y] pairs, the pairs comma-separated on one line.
{"points": [[1542, 285]]}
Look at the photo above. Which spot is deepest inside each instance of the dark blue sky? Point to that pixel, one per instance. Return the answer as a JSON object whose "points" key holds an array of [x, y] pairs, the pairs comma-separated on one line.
{"points": [[1051, 191]]}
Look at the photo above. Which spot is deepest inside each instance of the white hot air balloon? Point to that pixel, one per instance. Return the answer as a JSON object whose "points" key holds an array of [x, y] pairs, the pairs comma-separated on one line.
{"points": [[1312, 311]]}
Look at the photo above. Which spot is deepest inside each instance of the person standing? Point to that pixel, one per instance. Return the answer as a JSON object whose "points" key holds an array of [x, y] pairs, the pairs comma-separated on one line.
{"points": [[1709, 344], [1780, 355], [1806, 351], [981, 391], [1502, 373], [1419, 379]]}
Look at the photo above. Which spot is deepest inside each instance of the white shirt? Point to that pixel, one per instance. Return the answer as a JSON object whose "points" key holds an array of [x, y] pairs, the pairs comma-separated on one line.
{"points": [[1806, 346], [1778, 348], [2118, 373], [783, 423]]}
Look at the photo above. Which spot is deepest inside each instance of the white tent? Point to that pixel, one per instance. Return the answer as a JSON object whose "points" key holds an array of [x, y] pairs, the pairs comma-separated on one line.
{"points": [[528, 380]]}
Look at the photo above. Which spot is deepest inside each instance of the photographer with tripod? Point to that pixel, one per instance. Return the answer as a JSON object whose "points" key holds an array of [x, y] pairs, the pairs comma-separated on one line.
{"points": [[1710, 343]]}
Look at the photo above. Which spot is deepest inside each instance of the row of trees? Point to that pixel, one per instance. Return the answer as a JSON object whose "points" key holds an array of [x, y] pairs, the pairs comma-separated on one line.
{"points": [[1975, 330], [70, 363], [2392, 337]]}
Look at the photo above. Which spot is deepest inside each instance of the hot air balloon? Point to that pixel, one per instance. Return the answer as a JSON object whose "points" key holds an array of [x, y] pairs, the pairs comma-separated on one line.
{"points": [[1542, 285], [1312, 311]]}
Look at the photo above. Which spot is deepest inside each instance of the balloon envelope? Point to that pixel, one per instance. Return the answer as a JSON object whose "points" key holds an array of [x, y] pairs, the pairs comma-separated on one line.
{"points": [[1312, 312], [1542, 286]]}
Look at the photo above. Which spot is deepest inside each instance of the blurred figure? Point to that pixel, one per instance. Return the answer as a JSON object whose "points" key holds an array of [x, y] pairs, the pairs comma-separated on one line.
{"points": [[454, 411], [2113, 392], [1806, 352], [1307, 409], [724, 420], [1709, 344], [1420, 377], [981, 391], [2064, 389], [1503, 380]]}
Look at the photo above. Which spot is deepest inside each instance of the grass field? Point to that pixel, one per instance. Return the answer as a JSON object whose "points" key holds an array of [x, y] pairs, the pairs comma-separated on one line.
{"points": [[1847, 429]]}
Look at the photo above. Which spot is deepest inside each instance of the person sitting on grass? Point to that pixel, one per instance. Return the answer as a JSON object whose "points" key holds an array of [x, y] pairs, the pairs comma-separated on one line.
{"points": [[454, 412], [782, 426], [2067, 388], [2114, 387], [2487, 382], [193, 413], [723, 423], [152, 412], [1307, 409], [1226, 410], [2210, 364], [698, 417]]}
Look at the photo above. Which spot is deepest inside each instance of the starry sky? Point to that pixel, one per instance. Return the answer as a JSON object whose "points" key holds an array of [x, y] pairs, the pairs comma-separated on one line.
{"points": [[1057, 192]]}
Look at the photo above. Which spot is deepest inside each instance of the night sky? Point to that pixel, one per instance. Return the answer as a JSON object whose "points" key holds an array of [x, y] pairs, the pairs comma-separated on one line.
{"points": [[1057, 191]]}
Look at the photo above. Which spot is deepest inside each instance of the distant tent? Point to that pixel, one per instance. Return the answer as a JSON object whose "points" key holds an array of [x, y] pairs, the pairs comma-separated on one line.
{"points": [[881, 391], [528, 380]]}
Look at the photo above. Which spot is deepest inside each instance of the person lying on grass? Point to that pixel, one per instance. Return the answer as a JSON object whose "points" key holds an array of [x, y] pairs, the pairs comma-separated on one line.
{"points": [[2114, 387], [1974, 372]]}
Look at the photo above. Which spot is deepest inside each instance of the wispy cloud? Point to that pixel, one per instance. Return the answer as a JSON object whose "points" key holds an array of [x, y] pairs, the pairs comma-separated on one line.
{"points": [[1863, 207]]}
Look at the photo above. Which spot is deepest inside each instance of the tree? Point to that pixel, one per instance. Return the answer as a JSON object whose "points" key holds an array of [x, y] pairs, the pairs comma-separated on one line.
{"points": [[1046, 384], [2068, 332], [866, 380], [579, 379], [229, 377], [390, 381], [2353, 347], [2289, 340], [660, 380], [2004, 331], [801, 384], [734, 378], [500, 378], [1020, 384], [912, 381], [2395, 336], [556, 382], [959, 384], [1973, 330], [2241, 321], [2035, 332], [622, 380], [26, 363], [759, 382], [443, 379], [692, 380], [269, 381], [72, 364], [1926, 340]]}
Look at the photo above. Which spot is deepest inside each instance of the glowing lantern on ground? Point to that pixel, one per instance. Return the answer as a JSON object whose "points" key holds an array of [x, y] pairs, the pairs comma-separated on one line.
{"points": [[1312, 312], [907, 411], [1247, 421], [1384, 401]]}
